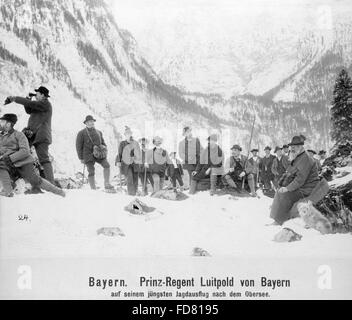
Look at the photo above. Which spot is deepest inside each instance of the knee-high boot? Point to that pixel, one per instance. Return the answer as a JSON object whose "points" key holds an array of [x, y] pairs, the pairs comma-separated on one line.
{"points": [[5, 182], [48, 172], [47, 186]]}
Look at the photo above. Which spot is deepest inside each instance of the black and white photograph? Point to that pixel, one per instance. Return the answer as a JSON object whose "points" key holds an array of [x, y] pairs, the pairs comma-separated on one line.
{"points": [[182, 150]]}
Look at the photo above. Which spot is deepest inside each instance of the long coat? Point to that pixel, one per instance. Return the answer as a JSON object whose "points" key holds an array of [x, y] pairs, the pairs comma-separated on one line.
{"points": [[266, 167], [303, 173], [84, 145], [15, 145], [129, 154], [189, 151], [279, 166], [39, 120]]}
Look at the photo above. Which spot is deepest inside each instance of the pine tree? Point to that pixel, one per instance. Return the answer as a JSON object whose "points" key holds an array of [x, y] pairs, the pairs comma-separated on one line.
{"points": [[341, 111]]}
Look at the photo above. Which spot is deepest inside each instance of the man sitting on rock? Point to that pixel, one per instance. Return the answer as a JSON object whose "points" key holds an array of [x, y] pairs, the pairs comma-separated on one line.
{"points": [[235, 168], [16, 160], [297, 183]]}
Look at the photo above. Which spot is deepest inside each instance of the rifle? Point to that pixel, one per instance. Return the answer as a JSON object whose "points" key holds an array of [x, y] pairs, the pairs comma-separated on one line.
{"points": [[248, 151]]}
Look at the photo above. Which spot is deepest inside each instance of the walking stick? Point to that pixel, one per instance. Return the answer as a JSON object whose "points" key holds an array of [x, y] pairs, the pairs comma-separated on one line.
{"points": [[145, 178], [249, 147]]}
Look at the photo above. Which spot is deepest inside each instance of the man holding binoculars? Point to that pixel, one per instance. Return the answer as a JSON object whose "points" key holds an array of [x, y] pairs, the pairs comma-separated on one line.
{"points": [[38, 131]]}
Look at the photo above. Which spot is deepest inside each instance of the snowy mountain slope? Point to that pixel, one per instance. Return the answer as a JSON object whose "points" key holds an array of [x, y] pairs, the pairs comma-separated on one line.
{"points": [[91, 66], [231, 47]]}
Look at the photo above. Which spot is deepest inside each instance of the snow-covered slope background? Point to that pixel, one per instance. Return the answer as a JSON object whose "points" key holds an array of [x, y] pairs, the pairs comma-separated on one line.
{"points": [[213, 69]]}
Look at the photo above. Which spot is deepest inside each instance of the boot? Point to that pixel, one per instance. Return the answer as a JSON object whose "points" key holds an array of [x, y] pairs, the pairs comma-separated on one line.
{"points": [[106, 173], [46, 185], [6, 194], [48, 172], [5, 180], [91, 180]]}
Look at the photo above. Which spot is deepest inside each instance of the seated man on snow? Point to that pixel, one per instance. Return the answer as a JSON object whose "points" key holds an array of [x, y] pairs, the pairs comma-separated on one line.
{"points": [[299, 181], [235, 168], [16, 160]]}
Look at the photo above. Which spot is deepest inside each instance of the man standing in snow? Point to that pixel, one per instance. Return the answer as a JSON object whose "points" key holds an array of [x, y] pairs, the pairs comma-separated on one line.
{"points": [[253, 171], [16, 160], [189, 150], [128, 160], [87, 139], [280, 164], [38, 130], [266, 168], [157, 162], [144, 174], [297, 183]]}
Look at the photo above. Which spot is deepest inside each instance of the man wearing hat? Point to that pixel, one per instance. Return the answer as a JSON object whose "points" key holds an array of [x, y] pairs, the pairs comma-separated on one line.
{"points": [[86, 139], [298, 182], [213, 157], [38, 130], [235, 168], [280, 164], [189, 150], [144, 173], [266, 168], [157, 162], [128, 160], [16, 160], [253, 171]]}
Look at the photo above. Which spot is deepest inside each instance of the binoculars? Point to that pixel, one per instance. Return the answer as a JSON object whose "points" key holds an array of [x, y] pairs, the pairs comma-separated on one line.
{"points": [[31, 95]]}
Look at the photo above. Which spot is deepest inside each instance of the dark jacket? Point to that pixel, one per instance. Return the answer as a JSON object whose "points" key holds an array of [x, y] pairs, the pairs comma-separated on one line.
{"points": [[279, 166], [84, 144], [15, 145], [266, 165], [129, 154], [39, 120], [189, 151], [171, 168], [303, 173]]}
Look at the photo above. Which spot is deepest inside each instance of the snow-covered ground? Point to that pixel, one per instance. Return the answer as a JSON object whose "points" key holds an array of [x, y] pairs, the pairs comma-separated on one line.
{"points": [[222, 225]]}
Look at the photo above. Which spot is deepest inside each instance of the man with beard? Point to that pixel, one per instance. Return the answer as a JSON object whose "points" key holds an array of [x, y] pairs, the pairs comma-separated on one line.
{"points": [[38, 130], [16, 160], [86, 140], [235, 168], [297, 183], [253, 171]]}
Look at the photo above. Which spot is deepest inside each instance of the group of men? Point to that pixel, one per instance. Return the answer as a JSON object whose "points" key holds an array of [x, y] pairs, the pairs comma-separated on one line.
{"points": [[291, 171]]}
